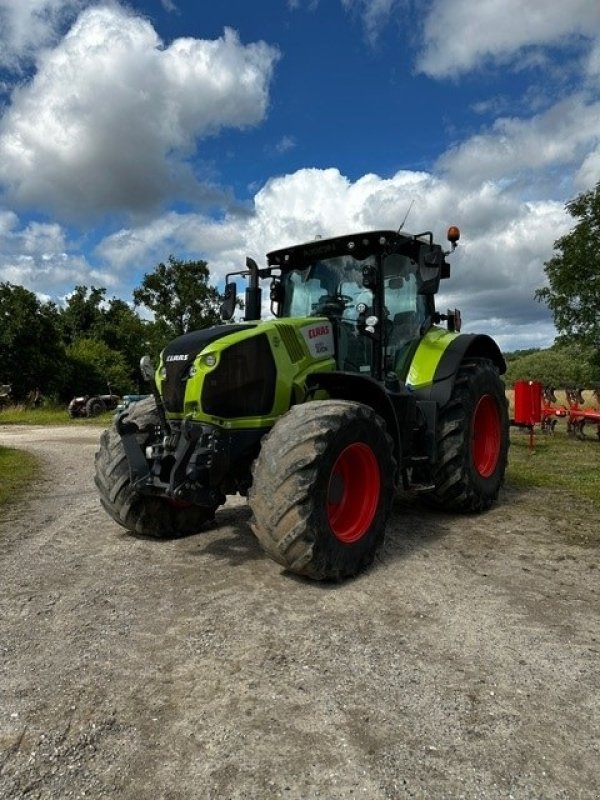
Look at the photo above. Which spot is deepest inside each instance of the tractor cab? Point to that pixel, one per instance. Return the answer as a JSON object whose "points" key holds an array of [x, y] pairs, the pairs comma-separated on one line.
{"points": [[377, 288]]}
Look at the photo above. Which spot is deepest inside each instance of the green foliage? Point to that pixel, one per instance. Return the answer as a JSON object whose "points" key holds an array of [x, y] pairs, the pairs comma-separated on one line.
{"points": [[95, 366], [32, 351], [559, 366], [93, 341], [124, 332], [17, 470], [573, 293], [179, 295], [83, 315]]}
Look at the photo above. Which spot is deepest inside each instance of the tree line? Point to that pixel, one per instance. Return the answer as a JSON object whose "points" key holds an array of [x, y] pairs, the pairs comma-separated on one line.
{"points": [[92, 341]]}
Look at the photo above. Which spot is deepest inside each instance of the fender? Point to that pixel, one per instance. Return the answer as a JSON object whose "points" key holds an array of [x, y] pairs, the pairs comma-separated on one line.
{"points": [[390, 406], [434, 366]]}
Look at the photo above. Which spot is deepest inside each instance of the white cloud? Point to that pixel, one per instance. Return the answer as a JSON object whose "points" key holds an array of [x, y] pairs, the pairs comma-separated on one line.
{"points": [[513, 147], [374, 14], [37, 256], [310, 4], [285, 144], [28, 25], [111, 115], [460, 35], [495, 271]]}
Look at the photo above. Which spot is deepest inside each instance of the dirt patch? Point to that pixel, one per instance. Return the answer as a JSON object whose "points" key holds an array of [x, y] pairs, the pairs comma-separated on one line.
{"points": [[466, 663]]}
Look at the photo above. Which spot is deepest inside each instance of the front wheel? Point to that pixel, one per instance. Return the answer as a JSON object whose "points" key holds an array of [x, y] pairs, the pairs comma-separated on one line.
{"points": [[143, 514], [472, 440], [322, 489]]}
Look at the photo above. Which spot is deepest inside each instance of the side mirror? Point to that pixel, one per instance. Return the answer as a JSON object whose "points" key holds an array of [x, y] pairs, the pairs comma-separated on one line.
{"points": [[277, 296], [430, 271], [147, 368], [277, 291], [229, 300]]}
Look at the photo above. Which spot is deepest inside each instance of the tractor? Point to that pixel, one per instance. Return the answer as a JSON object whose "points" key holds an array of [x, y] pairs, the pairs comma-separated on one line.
{"points": [[354, 388], [92, 405]]}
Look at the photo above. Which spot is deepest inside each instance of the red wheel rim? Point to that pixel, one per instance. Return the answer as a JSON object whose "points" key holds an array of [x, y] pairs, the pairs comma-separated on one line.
{"points": [[485, 436], [353, 492]]}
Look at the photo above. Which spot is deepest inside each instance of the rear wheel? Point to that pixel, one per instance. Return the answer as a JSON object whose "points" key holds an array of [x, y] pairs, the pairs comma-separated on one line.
{"points": [[142, 514], [94, 407], [472, 440], [323, 488]]}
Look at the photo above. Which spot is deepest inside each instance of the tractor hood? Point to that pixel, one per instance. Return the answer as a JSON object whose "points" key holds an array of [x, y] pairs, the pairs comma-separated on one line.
{"points": [[178, 356], [184, 349]]}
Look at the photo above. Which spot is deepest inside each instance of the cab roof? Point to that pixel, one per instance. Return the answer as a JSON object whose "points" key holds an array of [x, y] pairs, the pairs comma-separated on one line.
{"points": [[360, 245]]}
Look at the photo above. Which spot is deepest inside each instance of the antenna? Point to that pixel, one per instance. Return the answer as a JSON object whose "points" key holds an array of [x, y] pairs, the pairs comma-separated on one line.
{"points": [[412, 202]]}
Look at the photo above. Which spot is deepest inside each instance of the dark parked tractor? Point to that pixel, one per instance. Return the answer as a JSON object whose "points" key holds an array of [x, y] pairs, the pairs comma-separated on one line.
{"points": [[92, 405], [351, 391]]}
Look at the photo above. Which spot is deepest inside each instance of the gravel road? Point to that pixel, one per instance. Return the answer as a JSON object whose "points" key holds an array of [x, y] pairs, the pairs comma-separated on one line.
{"points": [[464, 664]]}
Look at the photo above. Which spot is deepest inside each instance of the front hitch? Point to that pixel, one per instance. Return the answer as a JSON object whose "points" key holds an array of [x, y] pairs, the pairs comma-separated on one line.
{"points": [[138, 466], [195, 457]]}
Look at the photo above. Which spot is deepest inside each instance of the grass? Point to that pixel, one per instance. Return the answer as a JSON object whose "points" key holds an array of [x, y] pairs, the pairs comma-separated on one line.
{"points": [[49, 415], [556, 461], [17, 470]]}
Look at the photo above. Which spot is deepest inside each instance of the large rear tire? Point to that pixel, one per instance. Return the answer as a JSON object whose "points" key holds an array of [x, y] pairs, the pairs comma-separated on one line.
{"points": [[141, 514], [472, 441], [322, 489]]}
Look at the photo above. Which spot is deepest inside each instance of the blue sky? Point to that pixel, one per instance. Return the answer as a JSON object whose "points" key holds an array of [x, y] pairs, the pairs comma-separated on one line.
{"points": [[131, 131]]}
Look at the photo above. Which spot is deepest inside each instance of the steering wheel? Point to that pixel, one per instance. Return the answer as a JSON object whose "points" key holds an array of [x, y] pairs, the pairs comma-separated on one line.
{"points": [[332, 303]]}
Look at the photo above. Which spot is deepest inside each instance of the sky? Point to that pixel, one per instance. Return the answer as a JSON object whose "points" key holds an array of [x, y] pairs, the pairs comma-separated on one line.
{"points": [[131, 131]]}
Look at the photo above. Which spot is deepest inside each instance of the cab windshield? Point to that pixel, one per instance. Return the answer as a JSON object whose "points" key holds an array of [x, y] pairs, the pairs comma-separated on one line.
{"points": [[334, 288]]}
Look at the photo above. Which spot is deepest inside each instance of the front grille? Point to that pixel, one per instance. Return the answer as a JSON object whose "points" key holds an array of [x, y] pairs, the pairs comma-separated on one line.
{"points": [[173, 387], [291, 343], [243, 384], [179, 355]]}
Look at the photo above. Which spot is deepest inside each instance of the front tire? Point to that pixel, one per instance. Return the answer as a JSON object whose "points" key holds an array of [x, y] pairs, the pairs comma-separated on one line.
{"points": [[141, 514], [472, 441], [323, 488]]}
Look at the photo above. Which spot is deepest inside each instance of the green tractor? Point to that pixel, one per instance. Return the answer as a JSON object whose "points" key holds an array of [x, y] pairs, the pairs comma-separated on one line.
{"points": [[352, 390]]}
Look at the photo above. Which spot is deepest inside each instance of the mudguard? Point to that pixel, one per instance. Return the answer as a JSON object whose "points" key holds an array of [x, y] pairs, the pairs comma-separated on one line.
{"points": [[436, 361]]}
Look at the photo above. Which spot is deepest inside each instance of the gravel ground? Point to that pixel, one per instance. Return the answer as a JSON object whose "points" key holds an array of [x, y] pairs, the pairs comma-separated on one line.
{"points": [[464, 664]]}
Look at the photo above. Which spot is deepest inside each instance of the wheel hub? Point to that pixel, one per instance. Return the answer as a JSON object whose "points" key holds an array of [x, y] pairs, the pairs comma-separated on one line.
{"points": [[353, 492]]}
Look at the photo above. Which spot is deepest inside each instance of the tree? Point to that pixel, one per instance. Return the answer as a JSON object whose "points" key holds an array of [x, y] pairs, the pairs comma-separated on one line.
{"points": [[95, 367], [123, 330], [32, 353], [558, 366], [83, 314], [573, 293], [179, 295]]}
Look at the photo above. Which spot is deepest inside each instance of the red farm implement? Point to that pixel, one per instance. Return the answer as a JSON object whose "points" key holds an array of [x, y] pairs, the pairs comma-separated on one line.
{"points": [[551, 410], [535, 404], [579, 415], [528, 406]]}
